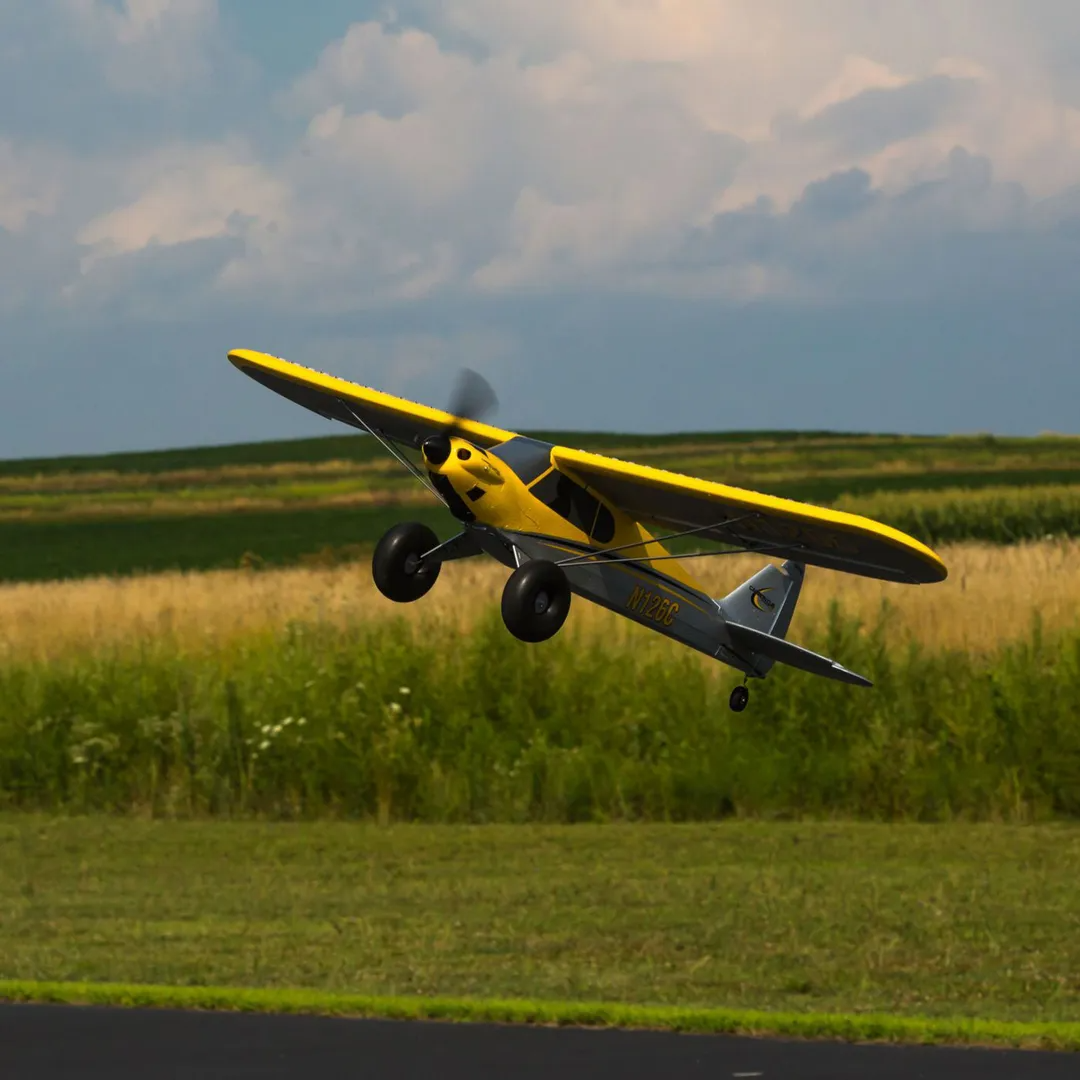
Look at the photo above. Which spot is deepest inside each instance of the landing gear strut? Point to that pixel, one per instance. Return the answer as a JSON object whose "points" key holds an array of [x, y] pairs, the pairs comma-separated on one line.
{"points": [[739, 697]]}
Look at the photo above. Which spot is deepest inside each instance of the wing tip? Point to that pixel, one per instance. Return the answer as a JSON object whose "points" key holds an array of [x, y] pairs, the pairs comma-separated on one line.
{"points": [[936, 570], [243, 357]]}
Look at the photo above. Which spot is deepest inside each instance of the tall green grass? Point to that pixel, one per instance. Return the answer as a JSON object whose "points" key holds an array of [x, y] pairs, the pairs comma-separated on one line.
{"points": [[415, 722]]}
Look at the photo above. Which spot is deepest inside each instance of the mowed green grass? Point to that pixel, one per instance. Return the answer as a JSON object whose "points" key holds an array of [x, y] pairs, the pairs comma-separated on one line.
{"points": [[937, 921]]}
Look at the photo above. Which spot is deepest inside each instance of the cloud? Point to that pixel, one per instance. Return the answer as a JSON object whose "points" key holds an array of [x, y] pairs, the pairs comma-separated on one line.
{"points": [[514, 146], [186, 193], [873, 119], [960, 233], [145, 46], [491, 156]]}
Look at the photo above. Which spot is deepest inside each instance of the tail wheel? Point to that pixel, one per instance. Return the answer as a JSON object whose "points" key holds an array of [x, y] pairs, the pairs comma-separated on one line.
{"points": [[536, 600], [739, 697], [397, 567]]}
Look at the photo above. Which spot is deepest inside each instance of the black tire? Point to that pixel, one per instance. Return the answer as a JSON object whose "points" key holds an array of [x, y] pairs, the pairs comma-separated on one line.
{"points": [[536, 600], [739, 697], [396, 568]]}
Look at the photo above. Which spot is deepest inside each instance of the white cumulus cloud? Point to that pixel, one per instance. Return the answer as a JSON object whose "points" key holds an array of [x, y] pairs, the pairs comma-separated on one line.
{"points": [[508, 145]]}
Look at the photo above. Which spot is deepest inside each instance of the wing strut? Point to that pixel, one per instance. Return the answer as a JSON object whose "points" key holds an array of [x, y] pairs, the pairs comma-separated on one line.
{"points": [[765, 549], [577, 560], [391, 449]]}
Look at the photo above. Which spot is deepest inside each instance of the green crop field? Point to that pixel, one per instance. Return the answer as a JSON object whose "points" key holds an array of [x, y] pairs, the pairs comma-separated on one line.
{"points": [[42, 550], [1002, 515], [955, 920], [287, 502], [354, 448]]}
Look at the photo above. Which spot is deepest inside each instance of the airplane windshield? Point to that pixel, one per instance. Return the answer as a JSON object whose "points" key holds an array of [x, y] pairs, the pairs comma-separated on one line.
{"points": [[528, 458]]}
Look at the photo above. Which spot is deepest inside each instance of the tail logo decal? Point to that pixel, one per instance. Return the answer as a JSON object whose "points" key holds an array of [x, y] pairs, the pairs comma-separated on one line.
{"points": [[760, 600]]}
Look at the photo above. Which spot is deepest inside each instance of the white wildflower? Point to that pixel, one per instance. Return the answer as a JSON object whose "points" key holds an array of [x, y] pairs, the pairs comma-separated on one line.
{"points": [[395, 707], [264, 744], [404, 691], [266, 729], [287, 721], [301, 722], [276, 730]]}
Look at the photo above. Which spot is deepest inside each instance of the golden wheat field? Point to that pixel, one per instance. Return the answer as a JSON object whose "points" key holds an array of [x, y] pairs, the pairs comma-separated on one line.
{"points": [[991, 596]]}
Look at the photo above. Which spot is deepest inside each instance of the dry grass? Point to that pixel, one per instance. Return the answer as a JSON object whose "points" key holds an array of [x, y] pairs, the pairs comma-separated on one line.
{"points": [[990, 597]]}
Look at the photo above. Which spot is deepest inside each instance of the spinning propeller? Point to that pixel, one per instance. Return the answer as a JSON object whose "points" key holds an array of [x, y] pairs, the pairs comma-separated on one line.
{"points": [[472, 399]]}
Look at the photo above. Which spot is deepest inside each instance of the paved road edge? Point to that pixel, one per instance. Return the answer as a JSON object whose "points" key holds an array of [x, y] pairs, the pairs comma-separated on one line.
{"points": [[854, 1027]]}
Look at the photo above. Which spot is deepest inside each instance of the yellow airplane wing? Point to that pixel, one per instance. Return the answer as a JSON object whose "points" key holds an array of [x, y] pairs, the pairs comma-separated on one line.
{"points": [[337, 399], [779, 527]]}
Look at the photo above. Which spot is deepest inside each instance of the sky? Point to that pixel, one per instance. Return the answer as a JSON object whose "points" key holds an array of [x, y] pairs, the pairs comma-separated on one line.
{"points": [[630, 215]]}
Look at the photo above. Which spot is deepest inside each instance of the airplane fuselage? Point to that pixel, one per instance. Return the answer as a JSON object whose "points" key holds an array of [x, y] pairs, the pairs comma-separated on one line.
{"points": [[518, 506]]}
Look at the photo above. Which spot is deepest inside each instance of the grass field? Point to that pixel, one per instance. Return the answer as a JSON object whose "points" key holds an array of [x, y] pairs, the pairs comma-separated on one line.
{"points": [[933, 921], [286, 502], [196, 697], [296, 692]]}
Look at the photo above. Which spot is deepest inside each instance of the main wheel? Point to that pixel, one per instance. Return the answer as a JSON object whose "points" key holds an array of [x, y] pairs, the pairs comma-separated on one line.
{"points": [[739, 697], [396, 566], [536, 600]]}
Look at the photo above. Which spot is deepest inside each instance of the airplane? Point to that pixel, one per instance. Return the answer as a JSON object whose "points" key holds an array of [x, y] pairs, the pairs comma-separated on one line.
{"points": [[567, 522]]}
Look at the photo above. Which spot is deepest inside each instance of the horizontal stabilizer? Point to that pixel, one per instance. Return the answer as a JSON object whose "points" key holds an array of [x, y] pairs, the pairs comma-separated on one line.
{"points": [[784, 652]]}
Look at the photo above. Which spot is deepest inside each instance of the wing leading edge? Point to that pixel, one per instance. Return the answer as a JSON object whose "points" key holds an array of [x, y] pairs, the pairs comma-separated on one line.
{"points": [[781, 528], [337, 399]]}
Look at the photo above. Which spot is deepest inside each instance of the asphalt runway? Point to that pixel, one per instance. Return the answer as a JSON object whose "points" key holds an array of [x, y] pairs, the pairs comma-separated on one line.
{"points": [[48, 1042]]}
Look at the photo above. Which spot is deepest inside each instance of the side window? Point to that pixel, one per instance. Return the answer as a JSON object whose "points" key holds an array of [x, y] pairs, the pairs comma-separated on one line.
{"points": [[603, 532], [568, 500]]}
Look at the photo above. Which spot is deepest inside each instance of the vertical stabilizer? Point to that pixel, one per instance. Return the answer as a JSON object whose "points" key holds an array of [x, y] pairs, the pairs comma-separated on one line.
{"points": [[766, 601]]}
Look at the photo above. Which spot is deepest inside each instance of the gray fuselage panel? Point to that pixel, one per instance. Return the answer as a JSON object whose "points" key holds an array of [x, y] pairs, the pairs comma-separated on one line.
{"points": [[637, 592]]}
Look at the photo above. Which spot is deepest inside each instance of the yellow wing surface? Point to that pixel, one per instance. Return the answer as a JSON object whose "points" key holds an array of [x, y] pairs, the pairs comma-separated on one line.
{"points": [[338, 399], [779, 527]]}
